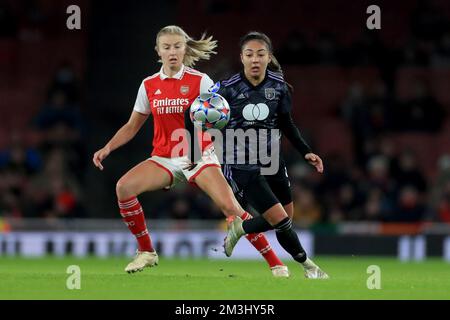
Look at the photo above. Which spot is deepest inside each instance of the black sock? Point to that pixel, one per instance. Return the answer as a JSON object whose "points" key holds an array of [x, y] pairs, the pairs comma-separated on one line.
{"points": [[288, 239], [256, 225]]}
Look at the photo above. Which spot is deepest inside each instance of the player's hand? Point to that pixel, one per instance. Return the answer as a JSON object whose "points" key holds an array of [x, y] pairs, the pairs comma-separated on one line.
{"points": [[99, 156], [315, 161]]}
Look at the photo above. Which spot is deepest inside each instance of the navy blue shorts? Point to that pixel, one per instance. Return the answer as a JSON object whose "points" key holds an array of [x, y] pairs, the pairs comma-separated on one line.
{"points": [[258, 191]]}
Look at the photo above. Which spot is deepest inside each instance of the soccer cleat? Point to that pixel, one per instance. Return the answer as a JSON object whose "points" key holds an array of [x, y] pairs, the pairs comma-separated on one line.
{"points": [[142, 260], [312, 271], [280, 271], [235, 232]]}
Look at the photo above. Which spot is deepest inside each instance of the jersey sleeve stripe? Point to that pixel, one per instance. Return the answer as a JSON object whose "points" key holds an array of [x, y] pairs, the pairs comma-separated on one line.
{"points": [[276, 78], [236, 76], [194, 72], [232, 82], [276, 74]]}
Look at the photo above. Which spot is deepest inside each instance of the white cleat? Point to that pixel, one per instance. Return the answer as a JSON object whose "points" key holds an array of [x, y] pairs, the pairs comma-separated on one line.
{"points": [[235, 232], [280, 271], [312, 271], [143, 259]]}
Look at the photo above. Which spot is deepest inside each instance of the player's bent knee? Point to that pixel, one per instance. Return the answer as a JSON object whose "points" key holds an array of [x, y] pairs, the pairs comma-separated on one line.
{"points": [[275, 215], [123, 190], [228, 208]]}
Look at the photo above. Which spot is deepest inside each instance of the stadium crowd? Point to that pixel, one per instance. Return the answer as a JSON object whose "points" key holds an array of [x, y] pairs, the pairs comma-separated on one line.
{"points": [[46, 177]]}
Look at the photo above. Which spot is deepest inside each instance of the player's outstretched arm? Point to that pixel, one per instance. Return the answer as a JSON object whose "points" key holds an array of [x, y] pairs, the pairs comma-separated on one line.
{"points": [[291, 131], [122, 136]]}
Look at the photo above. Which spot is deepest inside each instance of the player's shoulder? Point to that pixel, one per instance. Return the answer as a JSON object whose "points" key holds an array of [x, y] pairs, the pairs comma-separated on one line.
{"points": [[231, 80], [276, 79], [194, 72], [276, 76]]}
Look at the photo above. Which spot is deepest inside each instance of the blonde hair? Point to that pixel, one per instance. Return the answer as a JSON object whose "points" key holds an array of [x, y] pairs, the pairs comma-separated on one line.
{"points": [[195, 49]]}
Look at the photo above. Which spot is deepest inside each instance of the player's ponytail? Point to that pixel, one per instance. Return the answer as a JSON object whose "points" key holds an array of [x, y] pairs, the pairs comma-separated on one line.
{"points": [[273, 65], [195, 49]]}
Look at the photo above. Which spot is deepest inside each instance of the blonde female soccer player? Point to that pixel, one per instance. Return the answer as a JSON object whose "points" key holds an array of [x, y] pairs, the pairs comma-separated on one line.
{"points": [[167, 96]]}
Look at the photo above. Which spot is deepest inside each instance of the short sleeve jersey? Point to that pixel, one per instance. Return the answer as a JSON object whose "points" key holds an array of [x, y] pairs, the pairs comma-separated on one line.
{"points": [[167, 99], [255, 108]]}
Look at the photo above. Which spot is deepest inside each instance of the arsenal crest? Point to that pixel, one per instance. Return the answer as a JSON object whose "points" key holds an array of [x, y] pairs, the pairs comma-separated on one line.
{"points": [[184, 90], [270, 93]]}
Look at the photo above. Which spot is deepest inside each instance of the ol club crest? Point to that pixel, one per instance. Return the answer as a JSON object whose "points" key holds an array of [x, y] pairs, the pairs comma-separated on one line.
{"points": [[270, 93]]}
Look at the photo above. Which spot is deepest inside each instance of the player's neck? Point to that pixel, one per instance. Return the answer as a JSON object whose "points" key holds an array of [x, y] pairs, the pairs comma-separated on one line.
{"points": [[170, 72], [254, 80]]}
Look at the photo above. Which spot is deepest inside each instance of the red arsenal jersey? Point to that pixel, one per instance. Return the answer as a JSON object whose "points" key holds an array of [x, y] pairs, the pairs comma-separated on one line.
{"points": [[167, 99]]}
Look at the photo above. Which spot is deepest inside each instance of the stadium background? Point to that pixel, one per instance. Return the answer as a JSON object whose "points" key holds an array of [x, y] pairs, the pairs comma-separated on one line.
{"points": [[374, 104]]}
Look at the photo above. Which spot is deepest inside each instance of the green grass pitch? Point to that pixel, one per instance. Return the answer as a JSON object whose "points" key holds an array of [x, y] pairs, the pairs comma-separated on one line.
{"points": [[186, 279]]}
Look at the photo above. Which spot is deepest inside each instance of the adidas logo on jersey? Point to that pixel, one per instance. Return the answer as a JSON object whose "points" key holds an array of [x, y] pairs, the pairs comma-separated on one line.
{"points": [[241, 96], [157, 92]]}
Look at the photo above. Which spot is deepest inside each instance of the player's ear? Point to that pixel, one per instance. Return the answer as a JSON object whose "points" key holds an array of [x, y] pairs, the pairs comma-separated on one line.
{"points": [[242, 58]]}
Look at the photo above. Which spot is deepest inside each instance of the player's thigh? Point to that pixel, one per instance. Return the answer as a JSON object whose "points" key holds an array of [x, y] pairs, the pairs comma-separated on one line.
{"points": [[289, 208], [282, 190], [213, 183], [145, 176], [262, 199], [281, 187]]}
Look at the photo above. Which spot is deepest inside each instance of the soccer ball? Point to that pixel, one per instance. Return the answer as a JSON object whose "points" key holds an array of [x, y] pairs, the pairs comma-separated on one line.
{"points": [[210, 111]]}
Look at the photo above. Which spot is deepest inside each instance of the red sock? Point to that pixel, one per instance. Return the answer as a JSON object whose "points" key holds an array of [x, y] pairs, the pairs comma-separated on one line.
{"points": [[133, 216], [260, 242]]}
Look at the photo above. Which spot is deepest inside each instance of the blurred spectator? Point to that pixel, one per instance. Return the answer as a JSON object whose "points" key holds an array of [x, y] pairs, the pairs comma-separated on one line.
{"points": [[327, 51], [63, 126], [420, 113], [349, 201], [409, 206], [408, 173], [365, 51], [428, 21], [17, 164], [416, 53], [186, 202], [19, 158], [65, 81], [367, 114], [59, 111], [378, 206], [440, 193], [441, 56], [180, 208], [337, 173], [443, 204], [295, 50], [54, 192], [34, 24], [307, 211]]}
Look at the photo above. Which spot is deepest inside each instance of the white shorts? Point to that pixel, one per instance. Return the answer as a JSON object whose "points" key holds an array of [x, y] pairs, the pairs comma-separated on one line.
{"points": [[175, 166]]}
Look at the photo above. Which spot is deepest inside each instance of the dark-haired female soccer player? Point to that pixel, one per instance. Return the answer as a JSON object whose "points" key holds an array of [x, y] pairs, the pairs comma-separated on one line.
{"points": [[259, 98]]}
